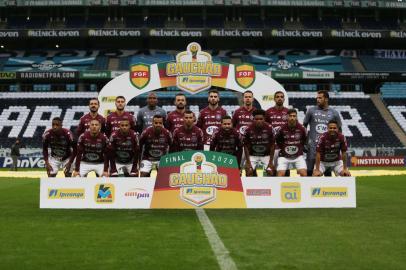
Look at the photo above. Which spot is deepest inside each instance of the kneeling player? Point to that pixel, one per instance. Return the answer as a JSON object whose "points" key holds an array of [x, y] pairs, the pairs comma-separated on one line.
{"points": [[92, 152], [63, 149], [155, 142], [259, 145], [227, 139], [291, 139], [331, 152], [124, 151]]}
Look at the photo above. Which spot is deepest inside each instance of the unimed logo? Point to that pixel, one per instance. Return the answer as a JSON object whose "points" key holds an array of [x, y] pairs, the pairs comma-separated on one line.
{"points": [[290, 192], [329, 192], [66, 193], [104, 193]]}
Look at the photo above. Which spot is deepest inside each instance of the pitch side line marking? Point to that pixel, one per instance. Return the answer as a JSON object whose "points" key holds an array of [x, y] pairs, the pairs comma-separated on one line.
{"points": [[220, 251]]}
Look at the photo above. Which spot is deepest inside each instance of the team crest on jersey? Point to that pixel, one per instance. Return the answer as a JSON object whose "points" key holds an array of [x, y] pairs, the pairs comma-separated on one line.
{"points": [[140, 75], [193, 69], [245, 75]]}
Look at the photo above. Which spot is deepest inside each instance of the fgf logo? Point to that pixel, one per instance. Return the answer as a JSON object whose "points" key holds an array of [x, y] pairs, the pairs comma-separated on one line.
{"points": [[290, 192]]}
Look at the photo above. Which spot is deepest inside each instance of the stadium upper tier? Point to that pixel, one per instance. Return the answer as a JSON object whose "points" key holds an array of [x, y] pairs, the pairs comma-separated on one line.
{"points": [[27, 115]]}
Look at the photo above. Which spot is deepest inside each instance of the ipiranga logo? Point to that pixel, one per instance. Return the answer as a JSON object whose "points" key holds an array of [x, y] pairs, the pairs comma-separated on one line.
{"points": [[329, 192], [66, 193]]}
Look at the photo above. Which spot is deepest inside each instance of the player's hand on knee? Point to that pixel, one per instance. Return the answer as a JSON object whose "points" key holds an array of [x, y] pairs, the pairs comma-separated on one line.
{"points": [[346, 173], [316, 173]]}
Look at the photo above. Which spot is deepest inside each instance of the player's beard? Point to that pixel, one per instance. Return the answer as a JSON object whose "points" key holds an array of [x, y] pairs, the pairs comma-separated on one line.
{"points": [[180, 107]]}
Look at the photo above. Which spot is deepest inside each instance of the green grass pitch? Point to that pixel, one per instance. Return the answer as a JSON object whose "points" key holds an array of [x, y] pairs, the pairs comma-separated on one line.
{"points": [[371, 236]]}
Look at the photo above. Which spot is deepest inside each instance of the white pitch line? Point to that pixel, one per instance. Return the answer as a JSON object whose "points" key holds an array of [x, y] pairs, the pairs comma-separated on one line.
{"points": [[220, 251]]}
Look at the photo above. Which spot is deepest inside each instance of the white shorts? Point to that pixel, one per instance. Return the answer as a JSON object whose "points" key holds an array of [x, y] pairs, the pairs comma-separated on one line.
{"points": [[86, 168], [146, 165], [125, 168], [57, 164], [298, 163], [336, 166], [259, 161]]}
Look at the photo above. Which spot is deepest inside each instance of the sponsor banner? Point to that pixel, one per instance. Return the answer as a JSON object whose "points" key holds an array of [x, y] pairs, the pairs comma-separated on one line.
{"points": [[287, 74], [318, 75], [114, 32], [284, 33], [397, 34], [10, 34], [5, 75], [23, 162], [40, 33], [52, 75], [187, 185], [299, 192], [106, 74], [367, 34], [363, 75], [258, 33], [378, 161], [167, 32], [133, 193]]}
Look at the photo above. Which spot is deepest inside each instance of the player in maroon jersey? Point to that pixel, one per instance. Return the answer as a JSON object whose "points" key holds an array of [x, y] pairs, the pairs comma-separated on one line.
{"points": [[259, 145], [124, 151], [93, 114], [277, 116], [92, 152], [242, 117], [155, 142], [175, 118], [210, 117], [331, 152], [291, 139], [188, 136], [114, 118], [63, 148], [227, 139]]}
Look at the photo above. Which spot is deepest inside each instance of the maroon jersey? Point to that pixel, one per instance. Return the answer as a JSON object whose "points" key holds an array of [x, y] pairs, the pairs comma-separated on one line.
{"points": [[155, 145], [242, 119], [277, 118], [113, 121], [174, 120], [184, 139], [92, 149], [330, 147], [291, 141], [124, 146], [259, 140], [61, 144], [209, 121], [227, 142], [84, 123]]}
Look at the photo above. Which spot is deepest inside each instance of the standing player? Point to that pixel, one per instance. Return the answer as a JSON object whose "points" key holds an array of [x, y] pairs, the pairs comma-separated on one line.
{"points": [[277, 116], [93, 114], [114, 118], [259, 145], [146, 113], [331, 152], [318, 117], [242, 117], [124, 151], [92, 152], [63, 148], [188, 136], [155, 142], [175, 118], [227, 139], [210, 117], [291, 139]]}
